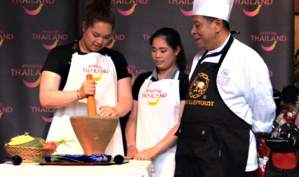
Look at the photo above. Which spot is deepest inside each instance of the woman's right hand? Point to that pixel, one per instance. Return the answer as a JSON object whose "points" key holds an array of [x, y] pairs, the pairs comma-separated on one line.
{"points": [[132, 152], [88, 88]]}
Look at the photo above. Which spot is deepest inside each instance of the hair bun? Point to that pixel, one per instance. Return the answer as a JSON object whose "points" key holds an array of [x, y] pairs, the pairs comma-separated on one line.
{"points": [[99, 11]]}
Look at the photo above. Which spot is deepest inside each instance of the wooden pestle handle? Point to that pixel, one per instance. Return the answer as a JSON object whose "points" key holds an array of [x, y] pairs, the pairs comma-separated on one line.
{"points": [[91, 103]]}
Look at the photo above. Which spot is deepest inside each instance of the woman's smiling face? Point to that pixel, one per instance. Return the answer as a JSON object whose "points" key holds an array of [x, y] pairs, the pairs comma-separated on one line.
{"points": [[163, 55]]}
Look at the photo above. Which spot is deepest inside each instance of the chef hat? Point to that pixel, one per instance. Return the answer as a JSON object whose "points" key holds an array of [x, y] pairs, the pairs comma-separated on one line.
{"points": [[213, 8]]}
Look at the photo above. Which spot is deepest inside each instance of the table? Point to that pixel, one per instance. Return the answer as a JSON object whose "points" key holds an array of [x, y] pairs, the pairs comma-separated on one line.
{"points": [[132, 169]]}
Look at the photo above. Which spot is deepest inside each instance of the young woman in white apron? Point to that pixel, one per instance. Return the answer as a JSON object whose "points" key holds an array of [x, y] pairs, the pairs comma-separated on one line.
{"points": [[65, 88], [158, 104]]}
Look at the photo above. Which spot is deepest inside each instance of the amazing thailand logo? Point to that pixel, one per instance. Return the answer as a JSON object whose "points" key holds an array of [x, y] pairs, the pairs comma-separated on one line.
{"points": [[96, 71], [49, 38], [184, 5], [268, 39], [255, 6], [30, 74], [122, 6], [33, 7], [153, 96]]}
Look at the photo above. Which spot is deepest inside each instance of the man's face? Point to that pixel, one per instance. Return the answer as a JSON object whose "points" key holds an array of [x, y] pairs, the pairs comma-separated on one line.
{"points": [[204, 33]]}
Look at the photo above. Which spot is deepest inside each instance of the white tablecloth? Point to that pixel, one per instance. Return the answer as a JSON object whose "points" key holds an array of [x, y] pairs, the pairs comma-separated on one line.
{"points": [[132, 169]]}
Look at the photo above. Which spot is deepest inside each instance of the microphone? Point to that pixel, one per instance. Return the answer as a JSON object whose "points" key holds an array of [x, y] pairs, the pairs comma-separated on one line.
{"points": [[235, 32], [119, 159]]}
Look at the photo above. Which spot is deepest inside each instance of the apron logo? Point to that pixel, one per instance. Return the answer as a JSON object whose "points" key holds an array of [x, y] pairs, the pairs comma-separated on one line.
{"points": [[199, 85], [97, 78], [154, 103], [223, 79], [153, 96], [224, 73], [96, 71]]}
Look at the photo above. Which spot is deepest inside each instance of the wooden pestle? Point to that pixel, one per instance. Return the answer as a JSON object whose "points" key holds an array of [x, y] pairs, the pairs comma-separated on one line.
{"points": [[94, 132], [91, 104]]}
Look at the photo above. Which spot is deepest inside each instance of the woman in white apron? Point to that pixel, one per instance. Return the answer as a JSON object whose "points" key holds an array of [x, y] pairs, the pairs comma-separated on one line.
{"points": [[64, 86], [158, 103]]}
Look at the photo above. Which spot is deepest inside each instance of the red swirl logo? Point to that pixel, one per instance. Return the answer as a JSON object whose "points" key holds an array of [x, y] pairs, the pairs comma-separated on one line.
{"points": [[32, 84], [127, 12], [186, 13], [49, 47], [269, 48], [34, 12], [46, 119]]}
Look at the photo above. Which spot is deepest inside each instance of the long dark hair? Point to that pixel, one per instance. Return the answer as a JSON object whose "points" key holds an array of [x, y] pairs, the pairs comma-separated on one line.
{"points": [[99, 11], [173, 39]]}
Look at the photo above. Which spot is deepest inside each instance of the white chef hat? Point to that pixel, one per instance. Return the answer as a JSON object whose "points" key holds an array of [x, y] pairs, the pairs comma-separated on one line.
{"points": [[213, 8]]}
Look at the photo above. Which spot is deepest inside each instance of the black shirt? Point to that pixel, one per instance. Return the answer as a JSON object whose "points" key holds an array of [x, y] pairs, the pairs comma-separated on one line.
{"points": [[59, 61]]}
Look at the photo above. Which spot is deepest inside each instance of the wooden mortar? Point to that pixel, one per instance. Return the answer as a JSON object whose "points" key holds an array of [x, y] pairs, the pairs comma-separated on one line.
{"points": [[94, 132]]}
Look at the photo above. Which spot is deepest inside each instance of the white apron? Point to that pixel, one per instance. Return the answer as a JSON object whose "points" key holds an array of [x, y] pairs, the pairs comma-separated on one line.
{"points": [[103, 71], [158, 112]]}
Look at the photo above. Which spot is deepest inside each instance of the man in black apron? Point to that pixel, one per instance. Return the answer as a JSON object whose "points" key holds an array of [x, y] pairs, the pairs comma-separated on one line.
{"points": [[214, 140]]}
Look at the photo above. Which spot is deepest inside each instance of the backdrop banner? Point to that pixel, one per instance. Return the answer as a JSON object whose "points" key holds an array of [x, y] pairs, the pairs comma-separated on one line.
{"points": [[30, 28]]}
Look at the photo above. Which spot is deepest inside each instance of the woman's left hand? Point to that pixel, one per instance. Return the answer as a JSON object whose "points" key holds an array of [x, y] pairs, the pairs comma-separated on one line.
{"points": [[107, 111], [147, 154]]}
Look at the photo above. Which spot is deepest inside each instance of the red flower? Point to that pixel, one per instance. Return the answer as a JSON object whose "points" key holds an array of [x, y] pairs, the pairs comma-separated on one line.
{"points": [[50, 144]]}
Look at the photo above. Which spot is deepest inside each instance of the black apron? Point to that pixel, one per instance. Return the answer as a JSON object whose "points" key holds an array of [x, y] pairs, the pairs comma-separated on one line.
{"points": [[213, 141]]}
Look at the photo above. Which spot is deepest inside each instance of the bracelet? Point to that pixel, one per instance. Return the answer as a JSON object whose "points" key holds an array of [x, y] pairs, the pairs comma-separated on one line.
{"points": [[128, 147], [78, 96]]}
